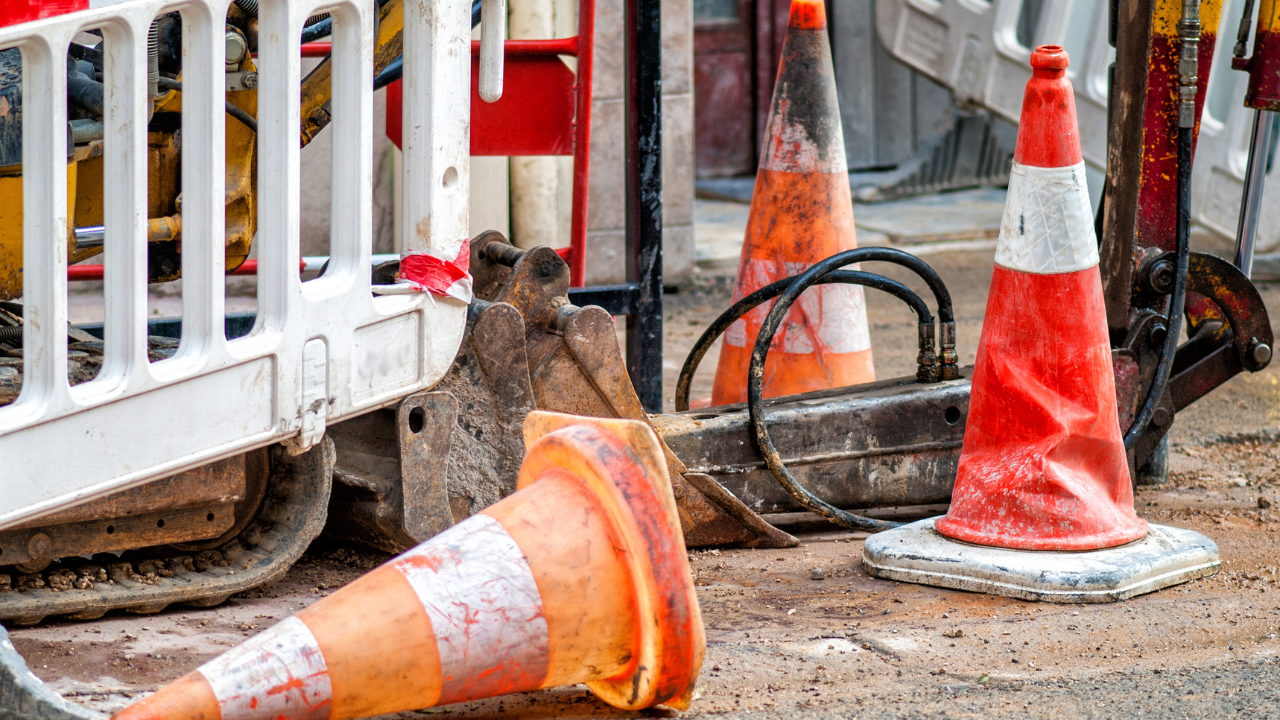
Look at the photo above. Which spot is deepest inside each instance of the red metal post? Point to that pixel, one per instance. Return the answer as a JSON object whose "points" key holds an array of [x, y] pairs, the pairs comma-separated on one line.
{"points": [[545, 110]]}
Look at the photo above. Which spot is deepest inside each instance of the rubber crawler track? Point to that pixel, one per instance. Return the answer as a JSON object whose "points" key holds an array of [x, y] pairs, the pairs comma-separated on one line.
{"points": [[291, 515]]}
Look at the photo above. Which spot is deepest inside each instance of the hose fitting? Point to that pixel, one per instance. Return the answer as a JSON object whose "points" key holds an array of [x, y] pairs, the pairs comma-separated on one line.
{"points": [[1188, 62]]}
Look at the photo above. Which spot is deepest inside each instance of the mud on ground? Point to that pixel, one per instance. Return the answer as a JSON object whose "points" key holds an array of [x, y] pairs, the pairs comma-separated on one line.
{"points": [[782, 644]]}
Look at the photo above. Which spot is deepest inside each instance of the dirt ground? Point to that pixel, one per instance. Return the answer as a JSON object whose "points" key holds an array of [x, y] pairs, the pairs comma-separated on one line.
{"points": [[782, 644]]}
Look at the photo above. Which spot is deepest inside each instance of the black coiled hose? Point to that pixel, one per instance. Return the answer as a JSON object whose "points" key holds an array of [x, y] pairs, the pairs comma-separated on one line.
{"points": [[948, 370], [11, 335], [755, 377], [773, 290], [787, 291]]}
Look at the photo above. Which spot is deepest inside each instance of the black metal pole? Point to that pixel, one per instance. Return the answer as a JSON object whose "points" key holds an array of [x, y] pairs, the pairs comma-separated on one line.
{"points": [[644, 197]]}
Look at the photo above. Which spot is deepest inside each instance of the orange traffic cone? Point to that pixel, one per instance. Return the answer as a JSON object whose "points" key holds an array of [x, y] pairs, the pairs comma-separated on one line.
{"points": [[801, 212], [1043, 463], [579, 577]]}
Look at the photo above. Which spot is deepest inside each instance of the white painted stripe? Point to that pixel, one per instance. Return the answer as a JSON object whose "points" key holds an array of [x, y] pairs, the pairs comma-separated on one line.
{"points": [[485, 609], [792, 150], [1048, 223], [831, 318], [280, 673]]}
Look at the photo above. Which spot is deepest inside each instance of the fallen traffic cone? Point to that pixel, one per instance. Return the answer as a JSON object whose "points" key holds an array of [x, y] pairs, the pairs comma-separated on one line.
{"points": [[801, 212], [581, 576], [1043, 463]]}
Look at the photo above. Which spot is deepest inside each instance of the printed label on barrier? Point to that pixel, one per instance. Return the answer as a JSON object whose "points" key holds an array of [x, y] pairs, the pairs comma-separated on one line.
{"points": [[1048, 223], [485, 609], [279, 673]]}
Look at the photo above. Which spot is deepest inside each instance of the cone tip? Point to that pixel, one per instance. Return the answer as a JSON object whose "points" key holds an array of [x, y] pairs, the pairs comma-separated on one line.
{"points": [[808, 15], [1049, 57]]}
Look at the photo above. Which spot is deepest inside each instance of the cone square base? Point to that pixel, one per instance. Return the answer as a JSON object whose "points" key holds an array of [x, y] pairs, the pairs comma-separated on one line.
{"points": [[917, 553]]}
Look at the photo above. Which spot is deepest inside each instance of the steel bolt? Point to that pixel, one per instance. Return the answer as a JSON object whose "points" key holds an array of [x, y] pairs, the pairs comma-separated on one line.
{"points": [[40, 547], [1160, 418], [237, 46], [1161, 275], [1261, 353]]}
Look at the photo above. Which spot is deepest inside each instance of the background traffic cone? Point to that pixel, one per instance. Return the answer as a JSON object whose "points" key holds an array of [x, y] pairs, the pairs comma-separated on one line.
{"points": [[1043, 463], [579, 577], [801, 212]]}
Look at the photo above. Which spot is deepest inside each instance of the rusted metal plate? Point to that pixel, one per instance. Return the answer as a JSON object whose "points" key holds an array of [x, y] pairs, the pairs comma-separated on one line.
{"points": [[122, 533], [424, 422], [406, 473], [889, 443], [213, 484]]}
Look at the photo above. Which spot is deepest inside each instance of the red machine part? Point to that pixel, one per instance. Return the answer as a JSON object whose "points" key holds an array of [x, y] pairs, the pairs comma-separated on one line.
{"points": [[94, 272], [13, 12], [1264, 66], [544, 110]]}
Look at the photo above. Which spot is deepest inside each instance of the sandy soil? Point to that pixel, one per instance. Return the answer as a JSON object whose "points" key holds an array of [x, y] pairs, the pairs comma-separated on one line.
{"points": [[782, 644]]}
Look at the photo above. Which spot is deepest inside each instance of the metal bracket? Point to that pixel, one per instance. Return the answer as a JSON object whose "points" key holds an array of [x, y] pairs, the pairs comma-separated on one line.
{"points": [[315, 397], [424, 423]]}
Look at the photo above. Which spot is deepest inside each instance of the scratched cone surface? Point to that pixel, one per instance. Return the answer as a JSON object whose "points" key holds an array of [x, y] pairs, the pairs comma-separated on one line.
{"points": [[1043, 464], [801, 212], [581, 576]]}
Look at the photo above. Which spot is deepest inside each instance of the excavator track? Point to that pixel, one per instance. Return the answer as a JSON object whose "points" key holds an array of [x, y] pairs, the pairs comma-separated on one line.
{"points": [[291, 514]]}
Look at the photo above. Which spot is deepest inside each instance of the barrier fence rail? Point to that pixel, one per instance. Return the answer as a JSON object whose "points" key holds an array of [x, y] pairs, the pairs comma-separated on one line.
{"points": [[974, 48], [319, 351]]}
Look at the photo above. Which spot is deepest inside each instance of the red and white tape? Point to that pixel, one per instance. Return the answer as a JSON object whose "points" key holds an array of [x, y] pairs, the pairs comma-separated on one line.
{"points": [[430, 271]]}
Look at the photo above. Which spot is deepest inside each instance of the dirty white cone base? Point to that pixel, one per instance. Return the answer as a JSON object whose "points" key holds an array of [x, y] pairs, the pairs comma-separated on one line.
{"points": [[916, 553]]}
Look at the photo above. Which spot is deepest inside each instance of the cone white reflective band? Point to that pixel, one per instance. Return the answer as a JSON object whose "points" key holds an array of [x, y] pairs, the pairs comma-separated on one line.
{"points": [[837, 313], [1048, 223], [790, 149], [485, 610], [278, 673]]}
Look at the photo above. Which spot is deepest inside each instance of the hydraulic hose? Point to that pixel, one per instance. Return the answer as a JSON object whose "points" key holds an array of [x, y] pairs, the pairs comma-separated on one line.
{"points": [[85, 93], [755, 394], [948, 369], [1189, 33], [773, 290], [232, 110], [1179, 297]]}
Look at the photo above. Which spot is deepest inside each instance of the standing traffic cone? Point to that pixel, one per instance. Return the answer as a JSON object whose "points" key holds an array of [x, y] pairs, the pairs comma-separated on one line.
{"points": [[1043, 464], [579, 577], [801, 212]]}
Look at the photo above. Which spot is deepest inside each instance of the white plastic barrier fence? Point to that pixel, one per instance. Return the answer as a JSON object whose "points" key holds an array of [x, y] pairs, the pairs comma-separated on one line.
{"points": [[971, 47], [320, 351]]}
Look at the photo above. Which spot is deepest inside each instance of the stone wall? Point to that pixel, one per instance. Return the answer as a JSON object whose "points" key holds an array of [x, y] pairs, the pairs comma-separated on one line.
{"points": [[606, 217]]}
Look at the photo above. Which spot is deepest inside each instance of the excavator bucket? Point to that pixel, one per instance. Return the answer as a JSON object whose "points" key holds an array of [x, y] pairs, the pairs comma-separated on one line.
{"points": [[405, 473], [575, 366]]}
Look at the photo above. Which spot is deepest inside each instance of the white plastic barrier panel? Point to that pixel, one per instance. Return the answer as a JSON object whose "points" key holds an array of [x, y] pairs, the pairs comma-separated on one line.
{"points": [[320, 351], [971, 47]]}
